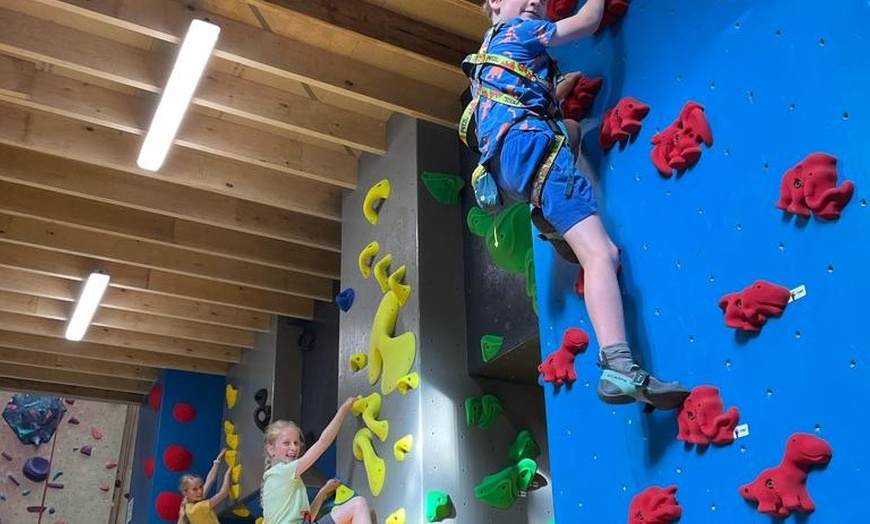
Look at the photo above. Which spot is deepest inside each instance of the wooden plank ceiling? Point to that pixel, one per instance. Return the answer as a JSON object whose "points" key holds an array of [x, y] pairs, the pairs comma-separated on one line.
{"points": [[243, 220]]}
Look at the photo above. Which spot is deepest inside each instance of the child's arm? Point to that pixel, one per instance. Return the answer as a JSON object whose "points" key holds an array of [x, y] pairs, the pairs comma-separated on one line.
{"points": [[181, 513], [325, 440], [327, 489], [566, 85], [223, 492], [212, 473], [583, 23]]}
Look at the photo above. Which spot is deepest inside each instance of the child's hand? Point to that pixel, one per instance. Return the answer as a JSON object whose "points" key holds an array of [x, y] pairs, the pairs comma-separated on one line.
{"points": [[221, 454], [345, 407], [331, 485], [566, 85]]}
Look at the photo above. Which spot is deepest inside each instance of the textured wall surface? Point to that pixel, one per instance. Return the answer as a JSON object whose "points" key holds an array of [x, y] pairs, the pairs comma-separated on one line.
{"points": [[779, 80]]}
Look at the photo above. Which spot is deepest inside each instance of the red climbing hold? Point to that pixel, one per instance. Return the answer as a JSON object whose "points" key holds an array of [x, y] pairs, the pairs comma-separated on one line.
{"points": [[86, 450], [621, 122], [655, 505], [613, 11], [167, 504], [183, 412], [579, 101], [678, 146], [74, 421], [559, 9], [96, 433], [782, 489], [111, 465], [104, 487], [155, 396], [559, 366], [702, 418], [148, 466], [750, 308], [177, 458], [811, 186]]}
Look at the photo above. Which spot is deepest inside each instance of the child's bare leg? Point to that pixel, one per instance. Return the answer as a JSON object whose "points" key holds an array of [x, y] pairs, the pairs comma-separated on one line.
{"points": [[622, 380], [354, 511]]}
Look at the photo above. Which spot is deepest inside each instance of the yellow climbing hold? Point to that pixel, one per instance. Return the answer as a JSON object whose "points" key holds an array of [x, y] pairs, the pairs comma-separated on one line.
{"points": [[392, 355], [396, 517], [232, 395], [402, 447], [381, 268], [241, 511], [232, 441], [343, 494], [236, 473], [366, 256], [408, 382], [370, 407], [403, 291], [235, 491], [379, 191], [229, 428], [376, 469], [357, 361], [259, 520], [230, 458]]}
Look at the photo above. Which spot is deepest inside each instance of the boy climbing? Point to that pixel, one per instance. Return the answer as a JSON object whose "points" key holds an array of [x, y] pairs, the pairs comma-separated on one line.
{"points": [[521, 138]]}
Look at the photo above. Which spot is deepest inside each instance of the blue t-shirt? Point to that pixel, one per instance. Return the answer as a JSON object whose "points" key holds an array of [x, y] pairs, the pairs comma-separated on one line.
{"points": [[526, 42]]}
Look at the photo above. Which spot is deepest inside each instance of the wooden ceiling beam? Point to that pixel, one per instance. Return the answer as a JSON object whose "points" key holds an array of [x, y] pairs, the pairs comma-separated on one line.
{"points": [[118, 337], [105, 246], [54, 173], [148, 70], [78, 364], [124, 276], [277, 55], [384, 26], [70, 391], [106, 353], [34, 305], [72, 378], [141, 225]]}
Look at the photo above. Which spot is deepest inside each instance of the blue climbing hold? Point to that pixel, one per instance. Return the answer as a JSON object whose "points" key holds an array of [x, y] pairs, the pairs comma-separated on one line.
{"points": [[345, 299]]}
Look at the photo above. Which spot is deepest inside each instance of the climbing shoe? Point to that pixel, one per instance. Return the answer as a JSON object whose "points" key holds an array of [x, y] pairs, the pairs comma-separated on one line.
{"points": [[624, 386]]}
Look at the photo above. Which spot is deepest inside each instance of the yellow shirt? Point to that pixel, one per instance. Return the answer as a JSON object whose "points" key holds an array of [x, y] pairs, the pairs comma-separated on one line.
{"points": [[284, 496], [200, 513]]}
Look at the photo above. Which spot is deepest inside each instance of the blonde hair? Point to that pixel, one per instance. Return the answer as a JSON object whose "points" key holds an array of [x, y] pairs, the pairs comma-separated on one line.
{"points": [[271, 435], [487, 10], [187, 480]]}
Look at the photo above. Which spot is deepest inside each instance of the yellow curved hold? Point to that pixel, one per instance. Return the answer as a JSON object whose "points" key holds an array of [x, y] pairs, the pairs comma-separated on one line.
{"points": [[381, 268], [366, 256], [376, 469], [378, 192], [232, 395], [232, 441], [370, 407], [259, 520], [402, 447], [235, 491], [408, 382], [343, 494], [358, 361], [403, 291], [389, 356], [241, 511], [236, 473], [396, 517], [230, 458], [229, 428]]}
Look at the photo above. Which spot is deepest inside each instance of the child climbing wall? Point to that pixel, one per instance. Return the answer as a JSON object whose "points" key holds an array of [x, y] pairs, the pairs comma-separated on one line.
{"points": [[690, 238], [71, 475]]}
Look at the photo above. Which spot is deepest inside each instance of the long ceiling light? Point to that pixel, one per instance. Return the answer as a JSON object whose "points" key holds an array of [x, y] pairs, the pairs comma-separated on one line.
{"points": [[86, 306], [192, 58]]}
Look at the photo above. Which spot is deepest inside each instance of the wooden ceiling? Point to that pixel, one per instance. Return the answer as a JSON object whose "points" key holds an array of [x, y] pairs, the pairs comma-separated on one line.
{"points": [[244, 219]]}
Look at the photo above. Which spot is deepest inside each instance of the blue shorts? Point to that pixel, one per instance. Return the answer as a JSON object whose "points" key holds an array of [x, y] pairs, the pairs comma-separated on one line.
{"points": [[567, 197]]}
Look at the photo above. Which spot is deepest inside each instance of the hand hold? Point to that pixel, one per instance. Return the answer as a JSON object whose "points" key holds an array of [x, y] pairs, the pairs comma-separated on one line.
{"points": [[702, 418], [381, 268], [558, 368], [655, 505], [370, 407], [376, 469], [408, 382], [678, 146], [749, 309], [559, 9], [403, 447], [811, 186], [613, 11], [579, 101], [397, 517], [622, 121], [402, 291], [394, 354], [366, 256], [232, 395], [357, 361], [438, 506], [373, 200]]}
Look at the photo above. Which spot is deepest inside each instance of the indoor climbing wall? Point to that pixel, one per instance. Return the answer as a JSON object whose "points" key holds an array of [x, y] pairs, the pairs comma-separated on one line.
{"points": [[412, 451], [777, 81], [70, 476]]}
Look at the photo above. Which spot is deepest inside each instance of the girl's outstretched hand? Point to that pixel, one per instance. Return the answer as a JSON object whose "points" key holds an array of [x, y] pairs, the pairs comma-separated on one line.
{"points": [[345, 406], [331, 485], [221, 454]]}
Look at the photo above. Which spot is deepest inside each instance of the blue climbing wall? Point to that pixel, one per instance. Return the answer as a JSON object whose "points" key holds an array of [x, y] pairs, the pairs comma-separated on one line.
{"points": [[779, 80]]}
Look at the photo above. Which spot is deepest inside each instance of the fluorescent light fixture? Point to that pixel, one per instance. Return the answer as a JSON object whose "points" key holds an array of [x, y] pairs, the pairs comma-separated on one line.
{"points": [[86, 306], [192, 58]]}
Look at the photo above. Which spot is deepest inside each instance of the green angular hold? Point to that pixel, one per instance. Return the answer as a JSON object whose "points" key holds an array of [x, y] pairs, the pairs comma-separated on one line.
{"points": [[443, 187], [491, 408], [508, 236], [479, 221], [500, 490], [473, 411], [438, 506], [523, 447], [490, 345], [531, 283]]}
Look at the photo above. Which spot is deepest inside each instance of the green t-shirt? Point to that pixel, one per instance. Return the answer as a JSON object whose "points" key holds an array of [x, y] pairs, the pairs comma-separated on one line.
{"points": [[284, 496]]}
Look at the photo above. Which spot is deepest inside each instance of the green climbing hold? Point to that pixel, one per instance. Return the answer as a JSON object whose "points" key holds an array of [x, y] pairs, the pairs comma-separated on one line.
{"points": [[508, 236], [473, 409], [479, 221], [524, 447], [500, 490], [491, 408], [438, 506], [443, 187], [531, 283], [490, 345]]}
